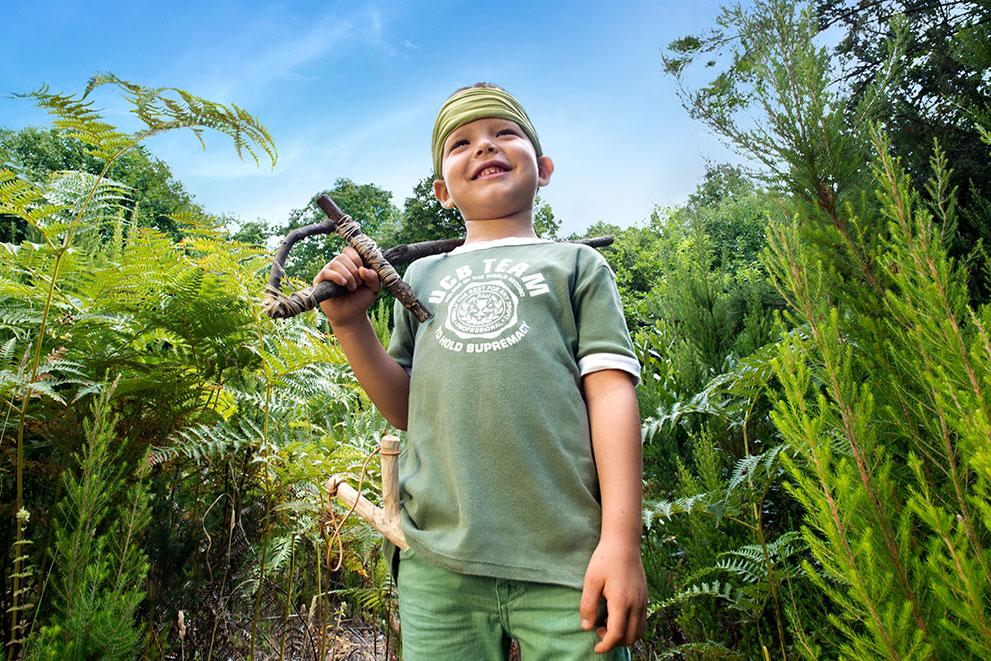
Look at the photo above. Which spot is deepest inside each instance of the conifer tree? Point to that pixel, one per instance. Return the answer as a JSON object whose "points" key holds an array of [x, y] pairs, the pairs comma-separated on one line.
{"points": [[99, 565]]}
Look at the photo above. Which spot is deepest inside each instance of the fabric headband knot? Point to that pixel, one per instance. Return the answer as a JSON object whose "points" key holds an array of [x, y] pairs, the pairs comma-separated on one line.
{"points": [[474, 103]]}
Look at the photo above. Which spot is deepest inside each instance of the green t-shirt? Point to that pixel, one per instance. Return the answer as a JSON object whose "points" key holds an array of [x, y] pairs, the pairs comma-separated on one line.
{"points": [[498, 478]]}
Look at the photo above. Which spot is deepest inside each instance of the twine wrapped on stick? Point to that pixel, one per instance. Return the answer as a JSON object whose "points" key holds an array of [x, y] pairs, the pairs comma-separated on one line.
{"points": [[280, 306]]}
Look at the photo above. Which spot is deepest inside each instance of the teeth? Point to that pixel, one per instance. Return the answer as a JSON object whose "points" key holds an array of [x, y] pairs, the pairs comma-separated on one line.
{"points": [[488, 171]]}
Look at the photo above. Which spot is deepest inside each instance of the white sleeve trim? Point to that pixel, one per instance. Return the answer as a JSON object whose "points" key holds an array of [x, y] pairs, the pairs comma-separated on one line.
{"points": [[595, 362]]}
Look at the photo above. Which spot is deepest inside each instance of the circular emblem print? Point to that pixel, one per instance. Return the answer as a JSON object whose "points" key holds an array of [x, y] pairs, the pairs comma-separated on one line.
{"points": [[482, 310]]}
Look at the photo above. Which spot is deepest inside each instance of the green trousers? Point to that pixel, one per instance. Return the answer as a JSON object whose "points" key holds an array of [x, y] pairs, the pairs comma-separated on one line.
{"points": [[447, 616]]}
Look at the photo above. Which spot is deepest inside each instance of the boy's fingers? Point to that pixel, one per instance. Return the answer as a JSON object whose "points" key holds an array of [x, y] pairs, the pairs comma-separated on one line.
{"points": [[343, 270], [615, 629], [591, 593], [353, 258], [330, 274], [633, 630], [346, 274]]}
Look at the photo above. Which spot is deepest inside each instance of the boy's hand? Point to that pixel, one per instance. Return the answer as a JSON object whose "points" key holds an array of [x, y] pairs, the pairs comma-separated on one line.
{"points": [[616, 573], [347, 270]]}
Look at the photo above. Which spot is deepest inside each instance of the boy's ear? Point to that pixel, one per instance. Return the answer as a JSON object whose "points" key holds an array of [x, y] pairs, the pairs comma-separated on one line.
{"points": [[545, 168], [442, 194]]}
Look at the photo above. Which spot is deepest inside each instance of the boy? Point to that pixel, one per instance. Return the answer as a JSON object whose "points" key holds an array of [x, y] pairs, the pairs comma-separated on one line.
{"points": [[521, 481]]}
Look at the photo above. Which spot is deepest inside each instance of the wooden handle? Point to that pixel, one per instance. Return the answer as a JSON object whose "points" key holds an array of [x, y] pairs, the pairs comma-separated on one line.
{"points": [[386, 519], [390, 477]]}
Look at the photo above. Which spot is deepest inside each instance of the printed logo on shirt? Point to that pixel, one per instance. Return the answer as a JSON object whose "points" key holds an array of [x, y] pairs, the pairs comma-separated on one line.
{"points": [[482, 311]]}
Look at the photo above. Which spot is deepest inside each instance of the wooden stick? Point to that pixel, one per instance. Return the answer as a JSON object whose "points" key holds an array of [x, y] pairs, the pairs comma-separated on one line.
{"points": [[389, 451], [280, 306]]}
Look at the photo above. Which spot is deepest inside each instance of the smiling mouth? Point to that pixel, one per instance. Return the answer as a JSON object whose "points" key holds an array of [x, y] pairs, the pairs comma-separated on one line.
{"points": [[490, 170]]}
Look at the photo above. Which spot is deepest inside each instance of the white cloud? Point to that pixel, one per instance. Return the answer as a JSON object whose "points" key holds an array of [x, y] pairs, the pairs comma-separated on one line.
{"points": [[249, 74], [274, 46], [376, 23]]}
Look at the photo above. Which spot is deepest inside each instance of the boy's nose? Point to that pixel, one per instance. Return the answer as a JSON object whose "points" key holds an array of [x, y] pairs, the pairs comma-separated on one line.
{"points": [[484, 146]]}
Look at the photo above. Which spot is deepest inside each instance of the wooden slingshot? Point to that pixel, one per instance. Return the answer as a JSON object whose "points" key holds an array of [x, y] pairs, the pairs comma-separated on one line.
{"points": [[280, 306]]}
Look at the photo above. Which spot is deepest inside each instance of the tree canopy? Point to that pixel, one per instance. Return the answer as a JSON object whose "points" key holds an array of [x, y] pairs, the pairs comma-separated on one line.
{"points": [[155, 195], [938, 93]]}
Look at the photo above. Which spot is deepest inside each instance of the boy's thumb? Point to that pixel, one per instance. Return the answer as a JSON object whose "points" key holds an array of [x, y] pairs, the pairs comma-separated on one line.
{"points": [[591, 594]]}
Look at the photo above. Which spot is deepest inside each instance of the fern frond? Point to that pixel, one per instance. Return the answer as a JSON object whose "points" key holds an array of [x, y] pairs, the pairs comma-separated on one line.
{"points": [[168, 108], [198, 223], [662, 510], [21, 607], [25, 200], [77, 117], [370, 599], [717, 589], [17, 320], [761, 468], [702, 650], [89, 201], [279, 550], [203, 441], [749, 570], [8, 349]]}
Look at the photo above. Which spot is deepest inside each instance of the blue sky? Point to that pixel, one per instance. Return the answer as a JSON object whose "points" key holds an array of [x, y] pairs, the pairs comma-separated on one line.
{"points": [[350, 89]]}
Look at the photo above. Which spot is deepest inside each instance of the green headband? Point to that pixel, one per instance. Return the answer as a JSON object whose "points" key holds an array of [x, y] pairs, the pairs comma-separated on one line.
{"points": [[474, 103]]}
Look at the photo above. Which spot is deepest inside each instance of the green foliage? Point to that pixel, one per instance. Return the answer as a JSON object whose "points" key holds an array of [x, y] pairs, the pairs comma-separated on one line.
{"points": [[701, 309], [159, 109], [424, 219], [545, 224], [66, 211], [815, 361], [940, 90], [236, 418], [919, 374], [698, 552], [719, 233], [154, 196], [254, 233], [774, 103]]}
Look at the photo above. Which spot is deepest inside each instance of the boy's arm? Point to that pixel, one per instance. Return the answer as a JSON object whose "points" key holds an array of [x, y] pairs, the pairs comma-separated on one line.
{"points": [[381, 377], [616, 569]]}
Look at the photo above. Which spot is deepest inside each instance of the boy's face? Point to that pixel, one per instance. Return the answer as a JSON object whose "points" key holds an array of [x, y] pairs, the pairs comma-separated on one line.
{"points": [[490, 170]]}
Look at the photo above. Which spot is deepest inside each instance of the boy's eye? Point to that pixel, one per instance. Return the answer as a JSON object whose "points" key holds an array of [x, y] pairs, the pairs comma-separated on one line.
{"points": [[507, 132], [457, 144]]}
